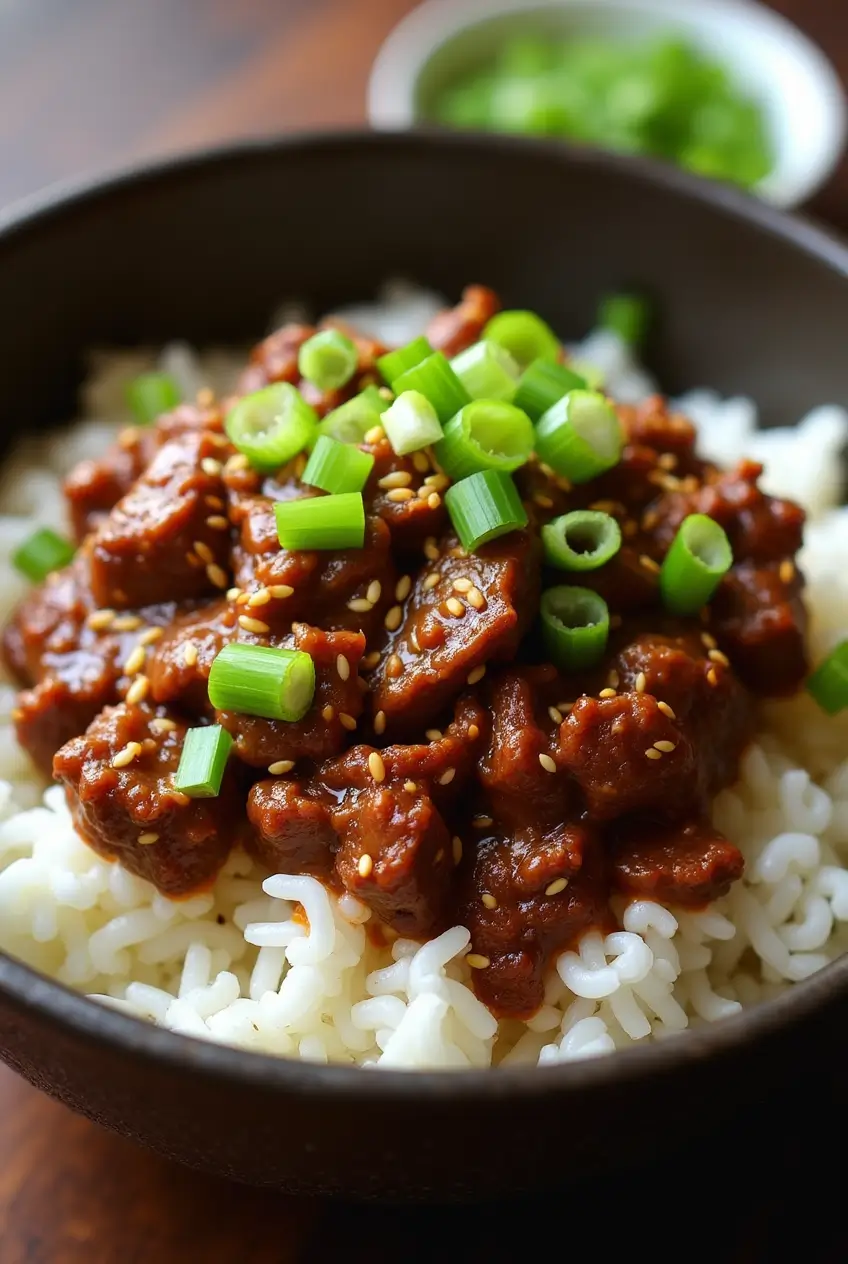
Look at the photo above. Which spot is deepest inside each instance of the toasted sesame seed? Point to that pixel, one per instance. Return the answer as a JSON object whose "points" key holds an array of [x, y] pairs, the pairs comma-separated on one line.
{"points": [[434, 500], [161, 724], [138, 690], [213, 502], [420, 461], [403, 588], [668, 461], [716, 656], [456, 847], [547, 763], [477, 962], [150, 635], [260, 598], [473, 732], [455, 607], [488, 900], [543, 500], [446, 777], [205, 397], [476, 599], [347, 721], [210, 466], [565, 707], [360, 605], [189, 654], [477, 674], [606, 506], [462, 585], [365, 865], [431, 551], [236, 463], [217, 575], [400, 494], [130, 752], [126, 623], [563, 483], [613, 679], [242, 599], [394, 666], [343, 667], [433, 735], [233, 593], [629, 528], [666, 710], [649, 563], [555, 714], [708, 641], [547, 470], [370, 661], [100, 620], [397, 478], [394, 618], [410, 786], [641, 682], [128, 437], [217, 522], [253, 625], [650, 753], [374, 591], [786, 571], [437, 482], [482, 822], [431, 580], [712, 677], [280, 591], [664, 746], [135, 661], [375, 435], [376, 766], [144, 840], [558, 884], [380, 722], [607, 693], [328, 712], [280, 767]]}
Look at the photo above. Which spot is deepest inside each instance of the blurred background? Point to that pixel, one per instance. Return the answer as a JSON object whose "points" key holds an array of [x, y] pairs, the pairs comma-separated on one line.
{"points": [[88, 85]]}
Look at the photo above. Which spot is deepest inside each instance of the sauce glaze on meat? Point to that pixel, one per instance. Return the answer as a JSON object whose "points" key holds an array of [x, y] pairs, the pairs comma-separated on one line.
{"points": [[445, 773]]}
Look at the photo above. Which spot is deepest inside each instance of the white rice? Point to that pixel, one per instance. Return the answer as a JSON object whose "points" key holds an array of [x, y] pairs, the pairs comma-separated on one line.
{"points": [[237, 966]]}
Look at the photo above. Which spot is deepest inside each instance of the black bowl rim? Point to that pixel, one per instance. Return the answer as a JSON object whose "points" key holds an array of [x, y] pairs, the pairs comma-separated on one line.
{"points": [[95, 1023]]}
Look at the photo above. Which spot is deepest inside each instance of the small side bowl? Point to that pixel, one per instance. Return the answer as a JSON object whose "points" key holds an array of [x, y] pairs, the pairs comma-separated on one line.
{"points": [[804, 100]]}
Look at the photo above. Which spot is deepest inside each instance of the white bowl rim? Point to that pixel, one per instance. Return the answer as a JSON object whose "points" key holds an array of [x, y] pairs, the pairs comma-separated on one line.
{"points": [[430, 25]]}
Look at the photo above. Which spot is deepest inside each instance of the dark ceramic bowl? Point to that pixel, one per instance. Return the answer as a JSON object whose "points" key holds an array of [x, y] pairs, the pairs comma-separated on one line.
{"points": [[204, 248]]}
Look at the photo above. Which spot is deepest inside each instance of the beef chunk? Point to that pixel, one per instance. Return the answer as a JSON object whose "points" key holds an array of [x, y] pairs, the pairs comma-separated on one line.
{"points": [[689, 864], [761, 624], [422, 513], [294, 833], [181, 660], [93, 487], [275, 358], [458, 327]]}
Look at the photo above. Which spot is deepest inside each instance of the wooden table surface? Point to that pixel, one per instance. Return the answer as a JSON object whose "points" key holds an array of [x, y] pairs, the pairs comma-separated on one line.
{"points": [[85, 85]]}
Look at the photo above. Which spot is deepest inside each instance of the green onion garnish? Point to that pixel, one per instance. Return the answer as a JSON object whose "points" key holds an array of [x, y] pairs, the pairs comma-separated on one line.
{"points": [[435, 379], [411, 423], [575, 627], [542, 384], [393, 363], [591, 374], [260, 680], [580, 436], [487, 371], [699, 558], [351, 421], [150, 395], [271, 426], [337, 467], [627, 315], [42, 552], [581, 541], [203, 761], [484, 506], [487, 434], [829, 682], [328, 359], [524, 335], [321, 522]]}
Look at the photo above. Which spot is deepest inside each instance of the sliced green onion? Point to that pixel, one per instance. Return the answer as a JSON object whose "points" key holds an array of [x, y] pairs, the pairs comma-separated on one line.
{"points": [[337, 467], [351, 421], [699, 558], [328, 359], [581, 541], [150, 395], [829, 682], [487, 371], [411, 423], [591, 374], [627, 315], [261, 680], [435, 379], [580, 436], [542, 384], [321, 522], [271, 426], [394, 363], [575, 627], [203, 761], [486, 434], [42, 552], [484, 506], [524, 335]]}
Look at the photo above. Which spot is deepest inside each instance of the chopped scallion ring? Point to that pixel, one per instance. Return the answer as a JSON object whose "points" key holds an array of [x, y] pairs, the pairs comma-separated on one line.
{"points": [[351, 421], [484, 506], [261, 680], [524, 335], [580, 436], [271, 426], [150, 395], [435, 379], [337, 467], [699, 558], [487, 434], [41, 553], [411, 423], [487, 371], [542, 384], [328, 359], [203, 762], [627, 315], [575, 627], [829, 682], [581, 541], [394, 363], [321, 522]]}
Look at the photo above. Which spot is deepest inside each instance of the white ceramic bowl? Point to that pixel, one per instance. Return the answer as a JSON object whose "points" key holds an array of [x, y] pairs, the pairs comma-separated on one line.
{"points": [[800, 91]]}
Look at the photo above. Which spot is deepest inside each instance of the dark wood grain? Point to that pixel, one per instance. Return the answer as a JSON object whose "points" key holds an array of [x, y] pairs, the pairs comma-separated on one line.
{"points": [[86, 85]]}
